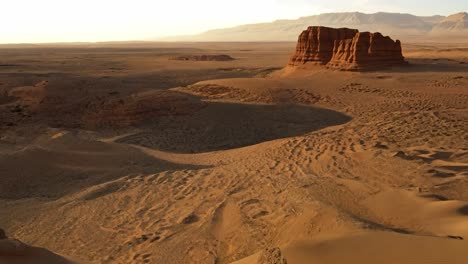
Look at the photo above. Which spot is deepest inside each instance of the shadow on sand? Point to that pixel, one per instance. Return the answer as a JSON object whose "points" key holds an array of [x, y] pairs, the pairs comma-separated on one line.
{"points": [[69, 165], [222, 126], [433, 65]]}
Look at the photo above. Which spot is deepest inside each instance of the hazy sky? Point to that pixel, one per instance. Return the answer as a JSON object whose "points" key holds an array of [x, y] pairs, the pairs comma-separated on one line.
{"points": [[27, 21]]}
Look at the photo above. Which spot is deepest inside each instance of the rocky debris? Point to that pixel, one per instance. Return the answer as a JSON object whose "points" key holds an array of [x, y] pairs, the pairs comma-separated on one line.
{"points": [[140, 108], [190, 219], [271, 256], [221, 57], [346, 49], [2, 234], [455, 237]]}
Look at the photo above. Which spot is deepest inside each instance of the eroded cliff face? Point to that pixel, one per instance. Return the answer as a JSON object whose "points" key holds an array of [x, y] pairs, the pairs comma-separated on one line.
{"points": [[346, 49], [316, 44]]}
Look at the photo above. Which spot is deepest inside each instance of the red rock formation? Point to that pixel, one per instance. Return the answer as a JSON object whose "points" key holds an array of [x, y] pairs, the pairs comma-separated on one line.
{"points": [[346, 49], [316, 44], [366, 50]]}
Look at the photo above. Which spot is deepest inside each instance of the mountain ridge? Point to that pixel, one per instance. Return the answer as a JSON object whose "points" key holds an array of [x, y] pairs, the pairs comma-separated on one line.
{"points": [[400, 25]]}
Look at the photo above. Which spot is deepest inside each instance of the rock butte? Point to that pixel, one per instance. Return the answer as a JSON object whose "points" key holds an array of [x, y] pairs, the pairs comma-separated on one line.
{"points": [[346, 49]]}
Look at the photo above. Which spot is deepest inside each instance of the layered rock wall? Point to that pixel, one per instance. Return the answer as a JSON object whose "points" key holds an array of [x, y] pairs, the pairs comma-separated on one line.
{"points": [[316, 44], [345, 48]]}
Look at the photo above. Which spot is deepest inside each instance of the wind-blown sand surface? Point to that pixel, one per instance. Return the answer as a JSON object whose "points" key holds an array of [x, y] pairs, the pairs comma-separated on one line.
{"points": [[112, 154]]}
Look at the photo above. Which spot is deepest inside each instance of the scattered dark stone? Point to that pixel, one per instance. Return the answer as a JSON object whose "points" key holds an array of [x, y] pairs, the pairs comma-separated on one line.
{"points": [[376, 226], [16, 109], [271, 256], [442, 155], [2, 234], [456, 237], [441, 174], [422, 151], [250, 201], [384, 77], [463, 210], [221, 57], [260, 214], [156, 238], [401, 154], [192, 218], [380, 146], [454, 168], [436, 197], [141, 239]]}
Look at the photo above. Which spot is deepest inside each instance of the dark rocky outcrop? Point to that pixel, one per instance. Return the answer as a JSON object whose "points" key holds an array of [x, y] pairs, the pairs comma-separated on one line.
{"points": [[271, 256], [140, 108], [221, 57], [2, 234]]}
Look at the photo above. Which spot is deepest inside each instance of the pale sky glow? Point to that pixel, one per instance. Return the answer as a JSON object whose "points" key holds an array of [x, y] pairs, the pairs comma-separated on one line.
{"points": [[36, 21]]}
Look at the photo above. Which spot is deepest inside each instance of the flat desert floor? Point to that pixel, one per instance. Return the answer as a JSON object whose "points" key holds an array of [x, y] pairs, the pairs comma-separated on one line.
{"points": [[116, 153]]}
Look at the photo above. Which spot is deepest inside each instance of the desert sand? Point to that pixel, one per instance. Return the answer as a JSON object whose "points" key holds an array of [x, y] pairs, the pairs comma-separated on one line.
{"points": [[115, 153]]}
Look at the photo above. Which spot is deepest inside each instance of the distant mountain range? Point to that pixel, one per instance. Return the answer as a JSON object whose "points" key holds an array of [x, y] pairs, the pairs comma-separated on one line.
{"points": [[403, 26]]}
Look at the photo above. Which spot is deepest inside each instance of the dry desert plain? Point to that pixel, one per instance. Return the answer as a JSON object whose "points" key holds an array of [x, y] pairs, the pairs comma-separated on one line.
{"points": [[117, 153]]}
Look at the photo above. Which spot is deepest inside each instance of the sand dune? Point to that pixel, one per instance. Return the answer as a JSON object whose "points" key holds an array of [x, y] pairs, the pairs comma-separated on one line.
{"points": [[373, 247], [161, 161], [15, 252]]}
